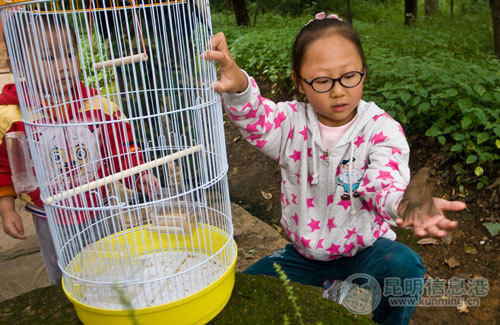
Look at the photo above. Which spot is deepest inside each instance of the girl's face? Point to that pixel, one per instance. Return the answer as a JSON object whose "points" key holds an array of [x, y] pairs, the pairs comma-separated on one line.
{"points": [[58, 64], [331, 56]]}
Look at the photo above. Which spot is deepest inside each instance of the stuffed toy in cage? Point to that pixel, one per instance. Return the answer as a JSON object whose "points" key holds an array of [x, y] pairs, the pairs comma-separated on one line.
{"points": [[126, 139]]}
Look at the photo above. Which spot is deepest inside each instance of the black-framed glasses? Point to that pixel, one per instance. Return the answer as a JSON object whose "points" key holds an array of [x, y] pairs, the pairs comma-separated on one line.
{"points": [[324, 84]]}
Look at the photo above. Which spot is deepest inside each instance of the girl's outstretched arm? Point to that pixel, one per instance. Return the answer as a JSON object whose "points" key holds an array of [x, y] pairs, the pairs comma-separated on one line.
{"points": [[434, 225], [232, 79]]}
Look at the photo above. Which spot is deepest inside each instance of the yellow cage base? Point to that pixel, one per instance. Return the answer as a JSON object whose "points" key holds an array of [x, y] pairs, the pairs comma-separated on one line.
{"points": [[198, 308]]}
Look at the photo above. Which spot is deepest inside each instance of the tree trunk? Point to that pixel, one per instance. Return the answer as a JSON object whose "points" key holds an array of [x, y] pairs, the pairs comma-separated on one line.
{"points": [[431, 7], [495, 15], [411, 7], [451, 8], [241, 12], [348, 14]]}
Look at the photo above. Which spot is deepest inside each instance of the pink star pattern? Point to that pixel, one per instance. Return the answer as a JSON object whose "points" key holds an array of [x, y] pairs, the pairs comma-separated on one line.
{"points": [[367, 205], [377, 138], [304, 133], [360, 140], [314, 224], [287, 202], [253, 137], [278, 119], [395, 150], [380, 115], [345, 204], [310, 202], [348, 247], [268, 126], [252, 81], [296, 219], [260, 143], [294, 198], [248, 105], [293, 106], [393, 164], [350, 232], [320, 243], [384, 186], [309, 152], [268, 109], [378, 220], [305, 242], [370, 189], [309, 178], [331, 224], [296, 236], [323, 156], [290, 135], [233, 117], [298, 178], [383, 175], [337, 172], [295, 156], [366, 181], [334, 249], [251, 114], [329, 200], [282, 197], [251, 128], [360, 240]]}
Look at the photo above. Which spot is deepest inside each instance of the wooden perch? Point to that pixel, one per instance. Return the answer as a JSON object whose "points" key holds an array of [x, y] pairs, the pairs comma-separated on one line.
{"points": [[121, 61], [121, 175]]}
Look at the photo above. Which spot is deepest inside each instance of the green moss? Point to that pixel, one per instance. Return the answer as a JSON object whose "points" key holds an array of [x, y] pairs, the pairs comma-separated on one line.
{"points": [[41, 306], [258, 299], [255, 300]]}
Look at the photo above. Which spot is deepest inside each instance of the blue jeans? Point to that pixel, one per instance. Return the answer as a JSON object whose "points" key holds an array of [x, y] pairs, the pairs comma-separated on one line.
{"points": [[385, 259]]}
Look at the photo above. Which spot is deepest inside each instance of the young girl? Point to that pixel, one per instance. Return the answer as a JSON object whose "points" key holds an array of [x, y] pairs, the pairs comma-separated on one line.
{"points": [[57, 68], [344, 166]]}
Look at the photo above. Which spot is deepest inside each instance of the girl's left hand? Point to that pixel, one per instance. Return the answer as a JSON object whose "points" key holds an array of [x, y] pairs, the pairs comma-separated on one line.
{"points": [[148, 183], [434, 226]]}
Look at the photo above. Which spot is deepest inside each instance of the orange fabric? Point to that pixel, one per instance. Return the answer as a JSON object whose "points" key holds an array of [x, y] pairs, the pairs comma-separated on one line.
{"points": [[7, 191]]}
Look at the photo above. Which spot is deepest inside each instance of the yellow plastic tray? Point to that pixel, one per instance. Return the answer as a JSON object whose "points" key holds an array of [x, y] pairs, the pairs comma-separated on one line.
{"points": [[198, 308]]}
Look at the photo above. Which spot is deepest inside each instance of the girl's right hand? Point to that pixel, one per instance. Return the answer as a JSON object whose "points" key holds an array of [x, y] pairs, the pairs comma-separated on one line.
{"points": [[13, 224], [232, 79]]}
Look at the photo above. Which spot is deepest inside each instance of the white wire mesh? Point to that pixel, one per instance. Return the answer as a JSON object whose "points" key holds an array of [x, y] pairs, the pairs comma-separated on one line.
{"points": [[127, 144]]}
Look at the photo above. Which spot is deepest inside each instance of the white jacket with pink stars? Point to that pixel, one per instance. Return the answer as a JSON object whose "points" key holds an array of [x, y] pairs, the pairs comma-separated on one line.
{"points": [[336, 202]]}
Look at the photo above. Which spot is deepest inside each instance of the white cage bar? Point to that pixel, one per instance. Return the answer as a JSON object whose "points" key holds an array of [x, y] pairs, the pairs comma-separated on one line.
{"points": [[127, 144]]}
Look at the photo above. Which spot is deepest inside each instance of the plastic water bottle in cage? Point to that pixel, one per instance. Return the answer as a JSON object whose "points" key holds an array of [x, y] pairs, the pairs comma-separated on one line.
{"points": [[20, 162]]}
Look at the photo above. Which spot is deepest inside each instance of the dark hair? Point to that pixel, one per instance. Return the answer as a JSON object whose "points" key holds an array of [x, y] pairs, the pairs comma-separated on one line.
{"points": [[47, 22], [318, 28]]}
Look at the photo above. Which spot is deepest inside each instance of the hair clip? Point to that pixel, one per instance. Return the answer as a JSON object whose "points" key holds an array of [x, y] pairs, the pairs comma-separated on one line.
{"points": [[322, 15]]}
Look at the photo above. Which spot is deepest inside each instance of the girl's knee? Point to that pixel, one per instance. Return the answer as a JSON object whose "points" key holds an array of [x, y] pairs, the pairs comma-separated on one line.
{"points": [[405, 263]]}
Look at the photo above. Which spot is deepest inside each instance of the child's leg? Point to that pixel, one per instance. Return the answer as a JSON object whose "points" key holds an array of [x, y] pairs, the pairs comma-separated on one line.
{"points": [[296, 267], [47, 249], [395, 263]]}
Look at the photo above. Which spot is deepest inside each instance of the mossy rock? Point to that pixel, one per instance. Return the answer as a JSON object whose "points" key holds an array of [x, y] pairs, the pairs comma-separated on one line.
{"points": [[258, 299], [255, 300]]}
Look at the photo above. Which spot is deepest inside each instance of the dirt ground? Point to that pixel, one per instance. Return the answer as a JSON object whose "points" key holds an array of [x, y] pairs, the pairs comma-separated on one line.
{"points": [[471, 252]]}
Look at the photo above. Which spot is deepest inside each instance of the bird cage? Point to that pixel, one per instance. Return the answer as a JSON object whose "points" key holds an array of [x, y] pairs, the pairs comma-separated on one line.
{"points": [[126, 138]]}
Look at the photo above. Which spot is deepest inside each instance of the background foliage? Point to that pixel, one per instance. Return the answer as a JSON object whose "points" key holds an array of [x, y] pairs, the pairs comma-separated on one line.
{"points": [[439, 77]]}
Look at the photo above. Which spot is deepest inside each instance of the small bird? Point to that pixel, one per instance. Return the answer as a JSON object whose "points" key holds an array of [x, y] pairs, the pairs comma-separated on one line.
{"points": [[417, 199]]}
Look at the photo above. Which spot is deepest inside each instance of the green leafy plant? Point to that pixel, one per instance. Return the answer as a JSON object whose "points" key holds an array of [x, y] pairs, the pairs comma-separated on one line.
{"points": [[438, 78]]}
